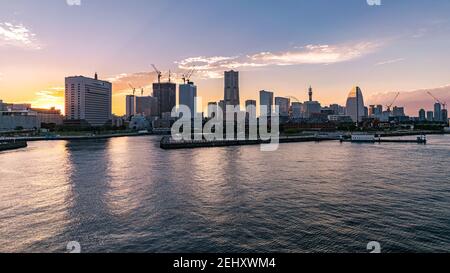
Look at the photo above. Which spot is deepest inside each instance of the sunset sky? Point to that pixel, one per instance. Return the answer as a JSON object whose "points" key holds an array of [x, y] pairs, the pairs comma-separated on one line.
{"points": [[282, 46]]}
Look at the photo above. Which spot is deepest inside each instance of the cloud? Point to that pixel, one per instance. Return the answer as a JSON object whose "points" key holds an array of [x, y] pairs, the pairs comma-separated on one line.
{"points": [[73, 2], [51, 97], [413, 100], [121, 82], [390, 61], [213, 67], [17, 35]]}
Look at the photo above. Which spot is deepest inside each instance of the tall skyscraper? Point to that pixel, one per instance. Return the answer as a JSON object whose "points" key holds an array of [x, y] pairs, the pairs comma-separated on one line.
{"points": [[147, 106], [231, 96], [88, 101], [430, 116], [187, 96], [166, 94], [422, 115], [212, 109], [355, 104], [444, 115], [130, 101], [297, 110], [265, 99], [437, 111], [283, 105]]}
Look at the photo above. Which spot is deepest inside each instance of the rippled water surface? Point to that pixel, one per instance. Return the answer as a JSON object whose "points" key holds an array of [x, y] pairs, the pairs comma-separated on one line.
{"points": [[127, 195]]}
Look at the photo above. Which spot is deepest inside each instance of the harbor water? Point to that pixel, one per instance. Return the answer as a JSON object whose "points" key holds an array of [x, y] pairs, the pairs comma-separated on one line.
{"points": [[128, 195]]}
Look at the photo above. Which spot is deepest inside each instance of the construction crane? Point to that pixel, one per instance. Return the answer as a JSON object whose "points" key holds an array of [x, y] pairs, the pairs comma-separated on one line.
{"points": [[142, 91], [187, 76], [132, 87], [158, 72], [444, 105], [170, 76], [392, 103]]}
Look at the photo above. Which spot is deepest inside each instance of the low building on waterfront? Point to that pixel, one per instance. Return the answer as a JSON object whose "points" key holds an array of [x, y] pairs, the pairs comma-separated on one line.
{"points": [[13, 120]]}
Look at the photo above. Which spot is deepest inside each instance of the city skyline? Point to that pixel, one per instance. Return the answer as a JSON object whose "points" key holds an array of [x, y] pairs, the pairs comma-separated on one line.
{"points": [[383, 49]]}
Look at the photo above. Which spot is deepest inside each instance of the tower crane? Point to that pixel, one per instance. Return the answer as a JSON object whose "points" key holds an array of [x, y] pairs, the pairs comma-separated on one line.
{"points": [[132, 87], [187, 76], [142, 91], [158, 72], [392, 103], [444, 105]]}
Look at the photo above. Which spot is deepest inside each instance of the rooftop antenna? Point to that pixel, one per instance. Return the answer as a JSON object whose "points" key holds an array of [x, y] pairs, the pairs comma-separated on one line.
{"points": [[96, 76]]}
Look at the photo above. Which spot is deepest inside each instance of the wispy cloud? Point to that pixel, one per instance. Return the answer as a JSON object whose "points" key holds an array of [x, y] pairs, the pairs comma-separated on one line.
{"points": [[51, 97], [390, 61], [17, 35], [212, 67]]}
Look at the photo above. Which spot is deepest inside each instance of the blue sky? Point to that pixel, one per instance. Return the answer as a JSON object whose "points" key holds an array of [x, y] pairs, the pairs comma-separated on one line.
{"points": [[277, 45]]}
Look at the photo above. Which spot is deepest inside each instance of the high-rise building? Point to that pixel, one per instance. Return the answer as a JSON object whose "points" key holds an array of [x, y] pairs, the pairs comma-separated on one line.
{"points": [[212, 109], [437, 112], [444, 116], [88, 101], [283, 105], [355, 104], [398, 111], [422, 115], [430, 116], [187, 96], [130, 103], [147, 106], [265, 102], [378, 110], [337, 109], [297, 109], [250, 103], [166, 95], [310, 108], [231, 94]]}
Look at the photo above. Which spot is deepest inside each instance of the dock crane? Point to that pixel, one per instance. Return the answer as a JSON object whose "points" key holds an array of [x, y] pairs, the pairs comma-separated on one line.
{"points": [[392, 103], [132, 87], [158, 72], [444, 105]]}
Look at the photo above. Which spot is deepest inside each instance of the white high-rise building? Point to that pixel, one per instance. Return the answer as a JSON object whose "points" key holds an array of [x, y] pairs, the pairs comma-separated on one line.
{"points": [[88, 100], [355, 104], [188, 95]]}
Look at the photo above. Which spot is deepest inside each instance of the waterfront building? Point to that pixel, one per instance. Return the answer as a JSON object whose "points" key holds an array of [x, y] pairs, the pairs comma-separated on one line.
{"points": [[283, 105], [340, 118], [130, 101], [166, 96], [88, 101], [250, 103], [212, 109], [437, 112], [14, 119], [147, 106], [355, 104], [231, 92], [430, 116], [187, 96], [398, 111], [297, 110], [49, 116], [266, 100], [444, 116], [337, 109], [310, 94], [2, 106], [311, 108], [422, 115]]}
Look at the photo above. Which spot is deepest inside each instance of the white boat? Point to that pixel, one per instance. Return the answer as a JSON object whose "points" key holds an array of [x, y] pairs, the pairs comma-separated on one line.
{"points": [[363, 138]]}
